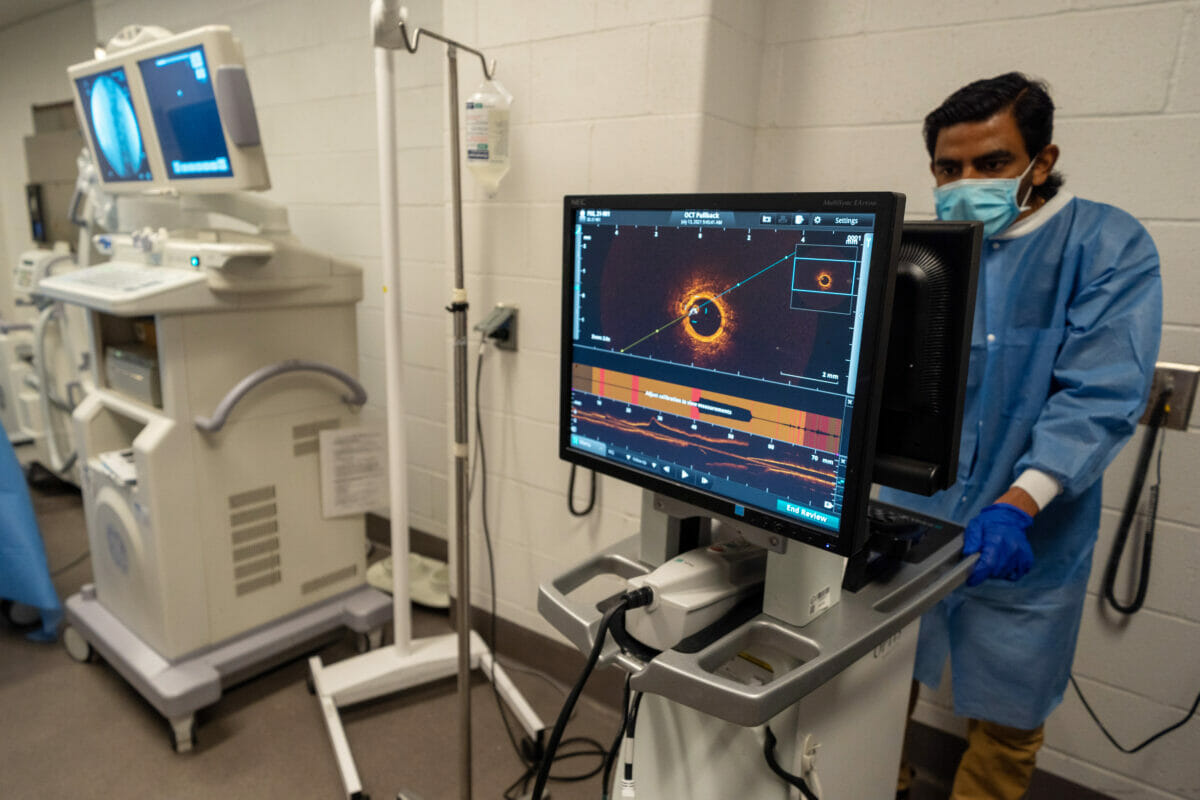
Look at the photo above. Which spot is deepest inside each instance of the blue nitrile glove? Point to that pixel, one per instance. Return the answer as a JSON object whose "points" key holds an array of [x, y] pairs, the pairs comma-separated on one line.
{"points": [[998, 534]]}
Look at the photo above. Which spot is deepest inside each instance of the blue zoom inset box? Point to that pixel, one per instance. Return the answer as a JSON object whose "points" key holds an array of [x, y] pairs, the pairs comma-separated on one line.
{"points": [[823, 276]]}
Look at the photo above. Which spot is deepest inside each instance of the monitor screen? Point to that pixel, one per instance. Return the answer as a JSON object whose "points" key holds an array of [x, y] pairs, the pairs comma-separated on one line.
{"points": [[179, 87], [721, 349], [112, 123]]}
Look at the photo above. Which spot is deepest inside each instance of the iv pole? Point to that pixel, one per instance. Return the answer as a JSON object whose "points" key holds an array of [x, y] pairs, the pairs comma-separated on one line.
{"points": [[410, 662], [458, 307]]}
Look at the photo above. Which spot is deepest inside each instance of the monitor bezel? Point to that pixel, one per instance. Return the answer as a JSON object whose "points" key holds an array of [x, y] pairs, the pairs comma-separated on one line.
{"points": [[221, 49], [888, 208]]}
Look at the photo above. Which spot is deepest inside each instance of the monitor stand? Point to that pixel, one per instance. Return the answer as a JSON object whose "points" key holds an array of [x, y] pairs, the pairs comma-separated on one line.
{"points": [[801, 583]]}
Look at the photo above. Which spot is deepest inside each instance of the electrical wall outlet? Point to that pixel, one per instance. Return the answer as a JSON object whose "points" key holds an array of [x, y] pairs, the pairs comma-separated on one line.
{"points": [[500, 326], [1182, 380]]}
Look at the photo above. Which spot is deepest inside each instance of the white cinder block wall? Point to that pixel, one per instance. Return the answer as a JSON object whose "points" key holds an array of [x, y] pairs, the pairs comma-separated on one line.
{"points": [[34, 55], [844, 88], [311, 71], [705, 95], [609, 97]]}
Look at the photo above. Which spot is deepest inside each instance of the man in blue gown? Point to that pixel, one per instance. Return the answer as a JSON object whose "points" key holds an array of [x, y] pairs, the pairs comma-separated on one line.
{"points": [[1067, 324], [24, 575]]}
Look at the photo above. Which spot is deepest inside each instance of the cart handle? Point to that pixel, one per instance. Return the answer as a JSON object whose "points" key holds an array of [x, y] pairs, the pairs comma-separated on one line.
{"points": [[213, 424]]}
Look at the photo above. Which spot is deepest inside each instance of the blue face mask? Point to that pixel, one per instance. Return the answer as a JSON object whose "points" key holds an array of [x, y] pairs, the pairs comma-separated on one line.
{"points": [[992, 201]]}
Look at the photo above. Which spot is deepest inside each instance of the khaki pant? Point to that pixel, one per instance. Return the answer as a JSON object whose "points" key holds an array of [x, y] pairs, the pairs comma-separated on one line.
{"points": [[998, 764]]}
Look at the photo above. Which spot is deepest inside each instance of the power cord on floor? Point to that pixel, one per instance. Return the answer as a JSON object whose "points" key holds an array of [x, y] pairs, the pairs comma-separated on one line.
{"points": [[1131, 750], [532, 761], [71, 564], [1155, 435]]}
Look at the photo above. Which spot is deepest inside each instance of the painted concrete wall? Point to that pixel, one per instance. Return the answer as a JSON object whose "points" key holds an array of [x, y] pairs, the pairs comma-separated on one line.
{"points": [[34, 55], [844, 88]]}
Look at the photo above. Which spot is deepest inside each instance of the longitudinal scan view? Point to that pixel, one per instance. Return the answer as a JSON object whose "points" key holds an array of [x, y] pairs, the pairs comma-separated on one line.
{"points": [[718, 349]]}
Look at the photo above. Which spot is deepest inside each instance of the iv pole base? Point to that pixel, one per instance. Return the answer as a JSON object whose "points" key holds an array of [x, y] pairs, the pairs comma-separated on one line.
{"points": [[386, 671]]}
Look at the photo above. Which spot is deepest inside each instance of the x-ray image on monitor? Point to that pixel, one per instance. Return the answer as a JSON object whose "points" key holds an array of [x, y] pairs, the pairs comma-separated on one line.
{"points": [[180, 89], [113, 123]]}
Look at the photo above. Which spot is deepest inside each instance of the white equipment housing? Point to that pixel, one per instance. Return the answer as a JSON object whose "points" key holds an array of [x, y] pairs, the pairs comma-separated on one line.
{"points": [[205, 530], [47, 367], [213, 339], [16, 357], [16, 364], [694, 590]]}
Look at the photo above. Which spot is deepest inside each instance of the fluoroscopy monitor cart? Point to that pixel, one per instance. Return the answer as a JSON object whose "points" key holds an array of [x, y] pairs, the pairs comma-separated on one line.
{"points": [[841, 674], [172, 114], [725, 351], [219, 357], [212, 558]]}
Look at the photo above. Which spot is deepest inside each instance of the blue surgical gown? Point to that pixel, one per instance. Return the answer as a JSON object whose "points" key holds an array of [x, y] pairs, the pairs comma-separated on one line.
{"points": [[24, 576], [1067, 324]]}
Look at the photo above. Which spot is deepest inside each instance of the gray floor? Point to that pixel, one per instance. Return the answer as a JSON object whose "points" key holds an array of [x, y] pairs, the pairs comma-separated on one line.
{"points": [[70, 730], [79, 731]]}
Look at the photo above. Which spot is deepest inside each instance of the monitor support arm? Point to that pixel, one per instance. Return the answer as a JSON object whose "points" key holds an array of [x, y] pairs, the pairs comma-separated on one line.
{"points": [[263, 214]]}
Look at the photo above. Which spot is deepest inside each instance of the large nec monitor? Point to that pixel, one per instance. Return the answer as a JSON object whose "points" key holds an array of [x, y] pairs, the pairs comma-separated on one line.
{"points": [[726, 350], [173, 113]]}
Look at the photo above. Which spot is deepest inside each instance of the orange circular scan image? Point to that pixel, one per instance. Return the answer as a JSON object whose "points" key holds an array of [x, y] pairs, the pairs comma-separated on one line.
{"points": [[707, 319]]}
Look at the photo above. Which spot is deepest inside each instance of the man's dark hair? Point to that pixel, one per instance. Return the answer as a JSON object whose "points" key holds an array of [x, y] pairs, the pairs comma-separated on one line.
{"points": [[1029, 102]]}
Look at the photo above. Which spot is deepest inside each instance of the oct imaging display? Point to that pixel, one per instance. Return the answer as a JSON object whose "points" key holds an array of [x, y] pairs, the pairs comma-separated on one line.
{"points": [[112, 121], [717, 349]]}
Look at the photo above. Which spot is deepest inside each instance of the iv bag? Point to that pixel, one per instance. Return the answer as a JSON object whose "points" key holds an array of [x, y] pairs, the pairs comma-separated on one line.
{"points": [[487, 134]]}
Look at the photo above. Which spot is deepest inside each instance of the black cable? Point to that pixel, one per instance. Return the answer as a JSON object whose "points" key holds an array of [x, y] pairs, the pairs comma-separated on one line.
{"points": [[560, 724], [611, 758], [1152, 739], [1153, 430], [571, 495], [481, 462], [596, 749], [793, 780], [632, 599], [74, 563], [630, 733]]}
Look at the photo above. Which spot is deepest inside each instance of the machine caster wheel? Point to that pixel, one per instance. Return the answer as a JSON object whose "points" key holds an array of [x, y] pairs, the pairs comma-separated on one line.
{"points": [[20, 615], [183, 734], [77, 647]]}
